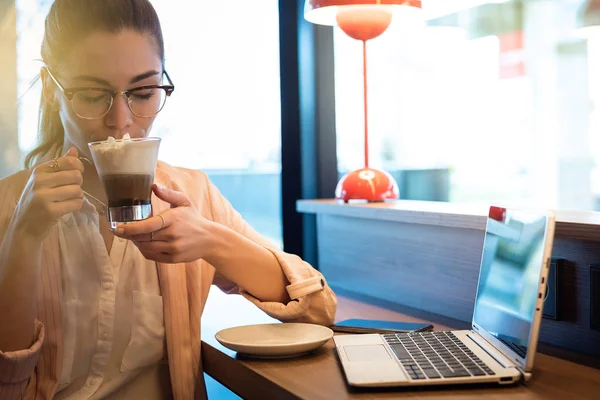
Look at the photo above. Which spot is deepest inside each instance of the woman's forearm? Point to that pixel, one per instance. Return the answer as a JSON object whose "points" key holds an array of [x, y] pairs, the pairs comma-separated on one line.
{"points": [[248, 264], [20, 260]]}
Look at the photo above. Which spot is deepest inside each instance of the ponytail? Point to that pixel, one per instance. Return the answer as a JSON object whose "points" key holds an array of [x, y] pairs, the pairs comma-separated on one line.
{"points": [[50, 134]]}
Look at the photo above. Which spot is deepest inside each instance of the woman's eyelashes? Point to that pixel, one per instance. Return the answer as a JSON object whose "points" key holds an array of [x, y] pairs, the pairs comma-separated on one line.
{"points": [[143, 95]]}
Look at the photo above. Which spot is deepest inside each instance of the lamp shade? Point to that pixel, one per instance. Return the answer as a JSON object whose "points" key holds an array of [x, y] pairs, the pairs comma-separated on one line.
{"points": [[591, 14], [325, 12], [589, 19]]}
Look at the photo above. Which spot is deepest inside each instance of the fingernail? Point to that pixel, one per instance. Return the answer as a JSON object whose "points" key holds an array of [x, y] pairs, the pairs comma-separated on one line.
{"points": [[160, 187], [119, 231]]}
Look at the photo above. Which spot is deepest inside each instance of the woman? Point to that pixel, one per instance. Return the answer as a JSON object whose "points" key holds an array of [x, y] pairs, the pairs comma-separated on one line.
{"points": [[85, 314]]}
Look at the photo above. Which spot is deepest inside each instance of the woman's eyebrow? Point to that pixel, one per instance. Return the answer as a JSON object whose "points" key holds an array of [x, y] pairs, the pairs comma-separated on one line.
{"points": [[101, 81], [143, 76], [91, 79]]}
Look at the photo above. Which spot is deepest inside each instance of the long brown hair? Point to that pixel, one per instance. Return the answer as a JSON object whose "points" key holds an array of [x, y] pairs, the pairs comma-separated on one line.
{"points": [[70, 21]]}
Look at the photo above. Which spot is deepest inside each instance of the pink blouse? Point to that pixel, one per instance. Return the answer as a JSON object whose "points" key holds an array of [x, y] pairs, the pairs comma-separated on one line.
{"points": [[35, 373]]}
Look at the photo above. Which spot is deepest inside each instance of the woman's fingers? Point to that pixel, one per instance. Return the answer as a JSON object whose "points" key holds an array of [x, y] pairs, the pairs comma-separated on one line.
{"points": [[158, 257], [145, 237], [62, 178], [166, 235], [53, 190], [143, 228], [58, 209], [156, 246], [64, 163], [66, 170], [62, 193], [56, 179]]}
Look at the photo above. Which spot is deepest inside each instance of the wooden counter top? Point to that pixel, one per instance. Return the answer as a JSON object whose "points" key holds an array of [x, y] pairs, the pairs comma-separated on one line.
{"points": [[319, 375]]}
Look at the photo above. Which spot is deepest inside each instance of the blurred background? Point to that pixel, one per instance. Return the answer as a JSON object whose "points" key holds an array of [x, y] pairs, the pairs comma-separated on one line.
{"points": [[493, 101]]}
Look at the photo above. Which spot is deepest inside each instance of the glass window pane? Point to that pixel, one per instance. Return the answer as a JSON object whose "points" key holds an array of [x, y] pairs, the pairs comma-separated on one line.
{"points": [[492, 101], [224, 116], [30, 32]]}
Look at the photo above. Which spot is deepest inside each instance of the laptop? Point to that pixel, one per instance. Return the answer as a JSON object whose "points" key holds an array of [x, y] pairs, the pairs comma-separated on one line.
{"points": [[507, 315]]}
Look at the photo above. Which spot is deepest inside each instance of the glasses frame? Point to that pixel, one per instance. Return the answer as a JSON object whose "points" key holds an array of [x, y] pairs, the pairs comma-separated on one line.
{"points": [[69, 93]]}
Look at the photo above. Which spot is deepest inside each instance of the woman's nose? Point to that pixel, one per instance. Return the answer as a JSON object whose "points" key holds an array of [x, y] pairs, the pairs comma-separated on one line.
{"points": [[119, 116]]}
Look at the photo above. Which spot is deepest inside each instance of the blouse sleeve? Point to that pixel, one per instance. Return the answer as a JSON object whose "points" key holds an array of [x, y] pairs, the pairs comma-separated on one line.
{"points": [[312, 300], [17, 368]]}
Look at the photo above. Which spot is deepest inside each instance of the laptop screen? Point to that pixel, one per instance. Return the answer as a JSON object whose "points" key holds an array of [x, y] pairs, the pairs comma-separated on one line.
{"points": [[509, 278]]}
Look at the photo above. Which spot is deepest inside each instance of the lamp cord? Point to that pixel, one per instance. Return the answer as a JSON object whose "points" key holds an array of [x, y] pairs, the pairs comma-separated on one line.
{"points": [[366, 107]]}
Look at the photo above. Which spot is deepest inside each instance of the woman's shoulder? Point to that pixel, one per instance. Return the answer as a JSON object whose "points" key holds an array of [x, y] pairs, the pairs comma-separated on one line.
{"points": [[14, 183], [183, 177], [11, 188]]}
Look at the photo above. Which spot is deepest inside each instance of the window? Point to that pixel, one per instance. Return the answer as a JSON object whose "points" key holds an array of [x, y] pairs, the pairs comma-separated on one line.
{"points": [[30, 32], [491, 101], [224, 116]]}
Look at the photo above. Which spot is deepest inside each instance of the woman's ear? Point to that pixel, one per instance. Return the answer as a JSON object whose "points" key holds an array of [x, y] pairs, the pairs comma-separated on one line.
{"points": [[48, 90]]}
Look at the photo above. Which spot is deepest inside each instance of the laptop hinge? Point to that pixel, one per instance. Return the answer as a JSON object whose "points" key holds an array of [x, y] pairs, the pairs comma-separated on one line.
{"points": [[485, 346]]}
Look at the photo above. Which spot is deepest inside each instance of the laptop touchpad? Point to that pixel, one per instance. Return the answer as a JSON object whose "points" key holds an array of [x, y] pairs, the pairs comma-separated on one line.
{"points": [[367, 353]]}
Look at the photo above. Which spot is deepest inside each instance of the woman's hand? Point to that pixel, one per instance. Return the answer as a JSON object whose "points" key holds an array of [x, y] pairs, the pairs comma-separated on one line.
{"points": [[53, 190], [177, 235]]}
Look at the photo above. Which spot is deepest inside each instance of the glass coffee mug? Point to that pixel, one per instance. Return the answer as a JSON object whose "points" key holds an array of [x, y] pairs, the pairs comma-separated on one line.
{"points": [[126, 168]]}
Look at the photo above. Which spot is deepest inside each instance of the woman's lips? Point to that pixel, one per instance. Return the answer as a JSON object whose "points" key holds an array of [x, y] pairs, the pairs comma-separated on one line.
{"points": [[101, 138], [98, 137]]}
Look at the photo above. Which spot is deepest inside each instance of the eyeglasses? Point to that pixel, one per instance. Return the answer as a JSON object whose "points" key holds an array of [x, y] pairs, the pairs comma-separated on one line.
{"points": [[95, 103]]}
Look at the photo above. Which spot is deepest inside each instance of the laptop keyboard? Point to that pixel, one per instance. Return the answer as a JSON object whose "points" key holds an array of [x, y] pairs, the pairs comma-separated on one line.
{"points": [[435, 355]]}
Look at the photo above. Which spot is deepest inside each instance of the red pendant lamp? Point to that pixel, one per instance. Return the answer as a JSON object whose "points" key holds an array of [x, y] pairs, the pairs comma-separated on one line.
{"points": [[589, 19], [362, 20]]}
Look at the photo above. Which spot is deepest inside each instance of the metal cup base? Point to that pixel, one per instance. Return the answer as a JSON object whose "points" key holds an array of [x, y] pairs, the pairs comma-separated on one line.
{"points": [[118, 216]]}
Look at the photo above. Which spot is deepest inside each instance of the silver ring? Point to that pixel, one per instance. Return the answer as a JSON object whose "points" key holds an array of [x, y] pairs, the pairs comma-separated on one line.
{"points": [[163, 221], [55, 165]]}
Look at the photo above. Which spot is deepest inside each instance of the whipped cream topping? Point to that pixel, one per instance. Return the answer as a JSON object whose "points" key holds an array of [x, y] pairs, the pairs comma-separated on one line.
{"points": [[125, 156]]}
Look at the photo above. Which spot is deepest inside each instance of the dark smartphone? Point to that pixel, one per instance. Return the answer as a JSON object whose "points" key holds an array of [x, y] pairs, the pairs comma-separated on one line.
{"points": [[375, 326]]}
